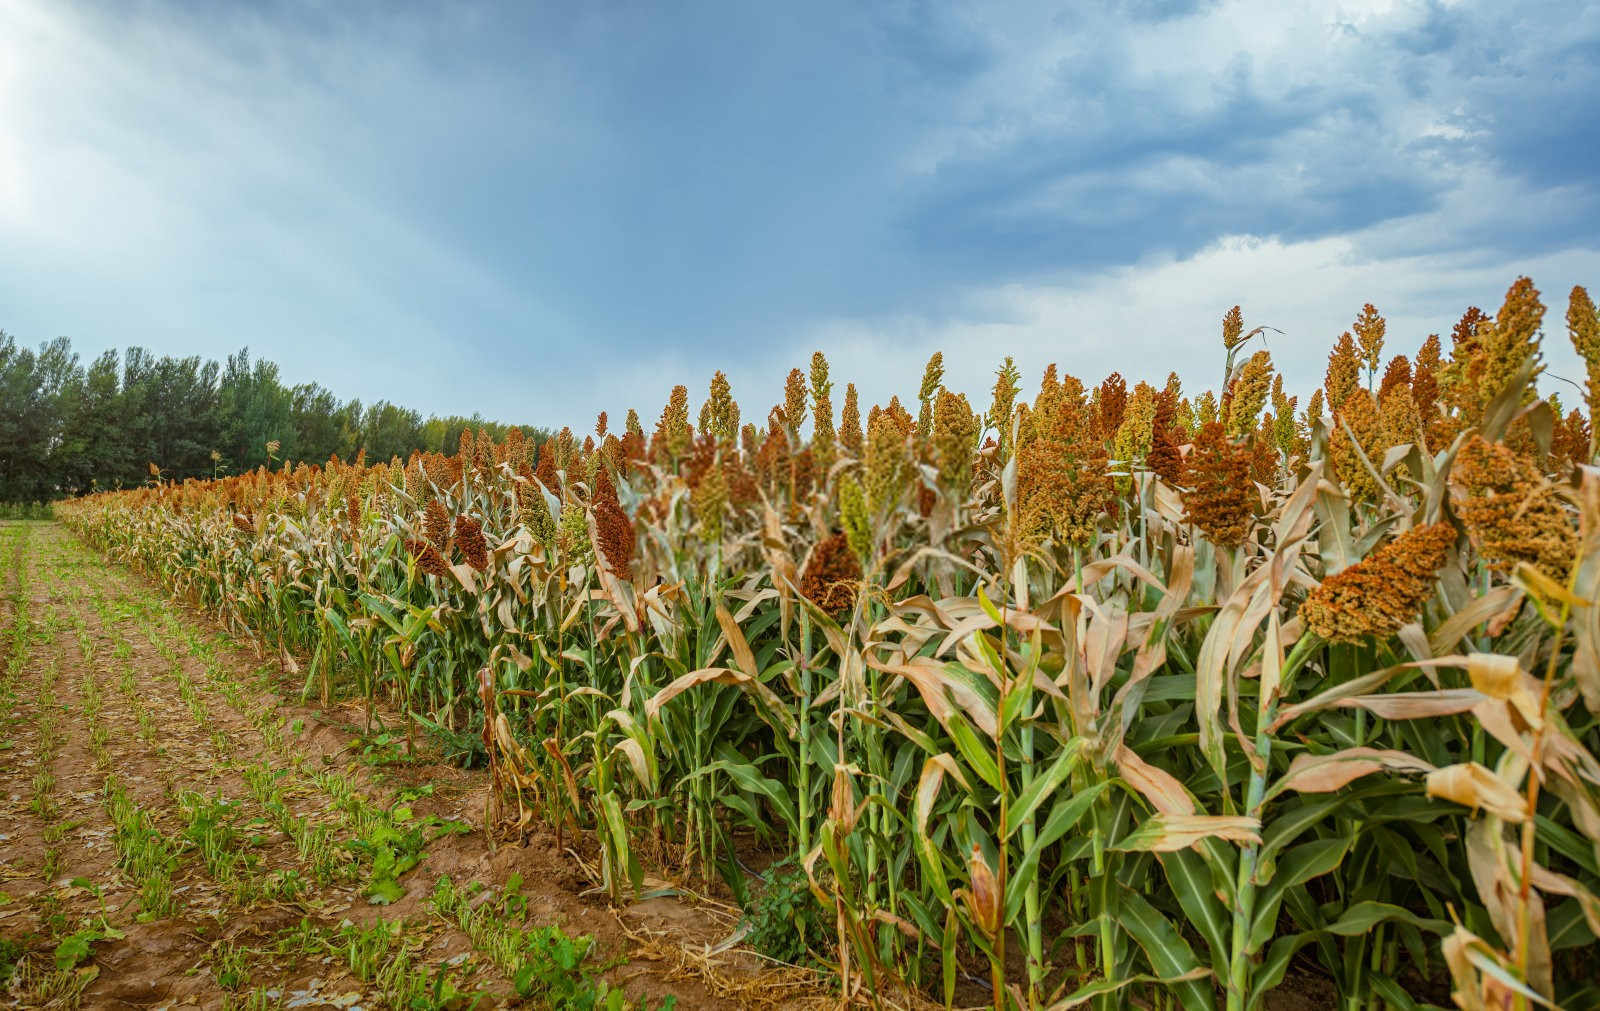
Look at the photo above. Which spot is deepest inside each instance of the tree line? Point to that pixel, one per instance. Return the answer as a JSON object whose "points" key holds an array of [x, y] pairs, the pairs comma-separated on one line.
{"points": [[67, 428]]}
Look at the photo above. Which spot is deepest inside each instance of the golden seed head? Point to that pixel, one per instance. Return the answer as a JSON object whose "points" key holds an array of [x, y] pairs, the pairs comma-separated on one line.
{"points": [[1064, 485], [1232, 328], [955, 440], [719, 416], [1248, 394], [1512, 512], [1397, 374], [1428, 354], [1570, 440], [1369, 328], [794, 399], [1360, 414], [850, 435], [1007, 382], [888, 462], [534, 512], [822, 433], [1583, 326], [710, 501], [1285, 428], [572, 535], [932, 383], [1507, 342], [672, 436], [1398, 418], [1135, 435], [1344, 372]]}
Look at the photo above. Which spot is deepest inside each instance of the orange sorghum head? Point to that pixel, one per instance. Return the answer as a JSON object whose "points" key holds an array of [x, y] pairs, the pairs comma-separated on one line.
{"points": [[1221, 498], [1383, 591]]}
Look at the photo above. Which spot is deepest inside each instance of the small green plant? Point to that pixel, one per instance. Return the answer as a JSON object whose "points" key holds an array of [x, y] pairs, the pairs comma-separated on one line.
{"points": [[10, 954], [546, 965], [259, 999], [230, 965], [76, 947], [392, 843], [784, 921], [142, 851]]}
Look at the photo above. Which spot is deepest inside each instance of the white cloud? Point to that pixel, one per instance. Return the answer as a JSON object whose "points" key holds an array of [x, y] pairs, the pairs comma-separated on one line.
{"points": [[1165, 315]]}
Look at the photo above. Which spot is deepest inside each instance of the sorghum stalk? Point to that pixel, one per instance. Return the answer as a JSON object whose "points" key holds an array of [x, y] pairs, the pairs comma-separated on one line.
{"points": [[1102, 890], [1239, 967], [804, 771], [1525, 911]]}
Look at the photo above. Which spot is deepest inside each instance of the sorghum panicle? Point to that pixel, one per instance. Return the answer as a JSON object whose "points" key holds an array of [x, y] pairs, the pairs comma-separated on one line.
{"points": [[832, 575], [850, 434], [469, 538], [1512, 512], [1383, 591], [1220, 499]]}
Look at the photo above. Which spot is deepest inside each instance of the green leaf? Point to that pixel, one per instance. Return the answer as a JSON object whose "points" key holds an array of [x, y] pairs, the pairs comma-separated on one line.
{"points": [[1273, 968], [1169, 954], [747, 777], [1066, 813], [1089, 991], [74, 949], [1190, 879], [383, 891], [1037, 791], [978, 758], [1298, 865], [1363, 916]]}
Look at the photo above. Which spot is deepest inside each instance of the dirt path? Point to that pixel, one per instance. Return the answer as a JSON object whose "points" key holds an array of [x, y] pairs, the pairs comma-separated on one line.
{"points": [[174, 832]]}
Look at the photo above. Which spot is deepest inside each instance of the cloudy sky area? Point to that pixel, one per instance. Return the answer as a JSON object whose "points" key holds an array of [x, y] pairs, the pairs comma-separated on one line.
{"points": [[541, 213]]}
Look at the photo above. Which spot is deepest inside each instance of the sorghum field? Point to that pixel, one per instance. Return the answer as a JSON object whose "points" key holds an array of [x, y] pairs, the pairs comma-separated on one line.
{"points": [[1105, 697]]}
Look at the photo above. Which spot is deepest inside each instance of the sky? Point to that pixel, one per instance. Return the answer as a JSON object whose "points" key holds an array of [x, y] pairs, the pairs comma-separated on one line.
{"points": [[541, 211]]}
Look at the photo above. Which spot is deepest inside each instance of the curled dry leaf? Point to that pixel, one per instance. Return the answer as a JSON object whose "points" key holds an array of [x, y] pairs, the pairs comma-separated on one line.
{"points": [[1164, 833], [1326, 773], [1161, 788], [1472, 785]]}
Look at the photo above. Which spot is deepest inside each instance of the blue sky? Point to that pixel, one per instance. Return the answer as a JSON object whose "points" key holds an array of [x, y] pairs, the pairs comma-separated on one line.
{"points": [[542, 211]]}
